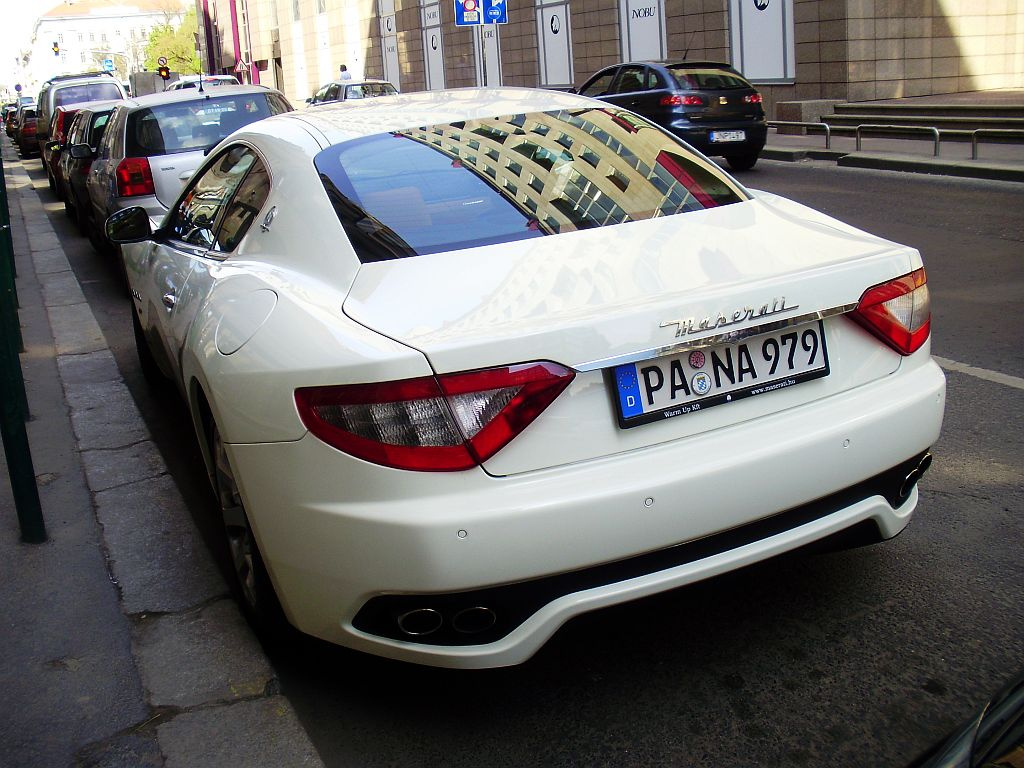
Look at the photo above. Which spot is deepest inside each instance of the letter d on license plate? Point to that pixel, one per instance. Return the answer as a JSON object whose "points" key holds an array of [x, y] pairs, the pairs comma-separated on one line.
{"points": [[701, 378]]}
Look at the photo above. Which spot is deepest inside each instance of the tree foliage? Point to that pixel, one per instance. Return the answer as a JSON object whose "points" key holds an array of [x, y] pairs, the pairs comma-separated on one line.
{"points": [[177, 44]]}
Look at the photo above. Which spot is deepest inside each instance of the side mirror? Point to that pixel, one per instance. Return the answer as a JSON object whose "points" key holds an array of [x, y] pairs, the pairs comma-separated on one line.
{"points": [[309, 100], [80, 151], [130, 225]]}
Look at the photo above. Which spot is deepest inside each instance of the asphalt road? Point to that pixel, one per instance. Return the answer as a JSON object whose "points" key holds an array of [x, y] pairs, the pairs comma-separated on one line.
{"points": [[859, 658]]}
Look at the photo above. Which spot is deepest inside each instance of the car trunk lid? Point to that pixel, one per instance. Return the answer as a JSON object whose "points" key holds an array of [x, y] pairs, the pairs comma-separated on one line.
{"points": [[592, 299]]}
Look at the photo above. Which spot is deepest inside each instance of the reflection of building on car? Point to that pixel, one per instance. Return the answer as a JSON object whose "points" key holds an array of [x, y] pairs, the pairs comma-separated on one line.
{"points": [[347, 90], [463, 366]]}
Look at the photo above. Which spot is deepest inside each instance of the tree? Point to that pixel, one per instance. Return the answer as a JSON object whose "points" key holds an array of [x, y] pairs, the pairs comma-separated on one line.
{"points": [[178, 45]]}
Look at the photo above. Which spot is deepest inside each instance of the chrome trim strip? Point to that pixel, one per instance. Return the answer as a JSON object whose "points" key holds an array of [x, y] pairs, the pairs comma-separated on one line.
{"points": [[709, 341]]}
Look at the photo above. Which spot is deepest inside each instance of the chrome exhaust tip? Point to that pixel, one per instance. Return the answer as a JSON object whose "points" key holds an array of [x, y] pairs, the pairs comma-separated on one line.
{"points": [[470, 621], [914, 476], [420, 622]]}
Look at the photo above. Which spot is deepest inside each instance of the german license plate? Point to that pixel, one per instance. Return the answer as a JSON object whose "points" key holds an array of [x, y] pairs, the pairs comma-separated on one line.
{"points": [[720, 136], [699, 379]]}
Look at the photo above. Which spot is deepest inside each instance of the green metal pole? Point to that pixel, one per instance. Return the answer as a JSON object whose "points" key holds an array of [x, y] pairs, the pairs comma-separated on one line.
{"points": [[14, 406]]}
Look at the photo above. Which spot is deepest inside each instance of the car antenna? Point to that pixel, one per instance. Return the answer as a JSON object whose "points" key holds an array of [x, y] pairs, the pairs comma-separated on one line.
{"points": [[201, 82], [686, 52]]}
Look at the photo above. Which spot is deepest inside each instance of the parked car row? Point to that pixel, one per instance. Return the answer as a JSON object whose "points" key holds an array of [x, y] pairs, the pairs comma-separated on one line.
{"points": [[104, 151]]}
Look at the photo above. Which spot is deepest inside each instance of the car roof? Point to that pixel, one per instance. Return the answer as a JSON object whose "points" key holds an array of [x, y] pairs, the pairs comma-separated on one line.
{"points": [[193, 94], [80, 76], [340, 121], [95, 106]]}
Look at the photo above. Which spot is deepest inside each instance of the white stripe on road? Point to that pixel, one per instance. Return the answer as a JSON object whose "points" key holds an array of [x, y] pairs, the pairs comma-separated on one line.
{"points": [[981, 373]]}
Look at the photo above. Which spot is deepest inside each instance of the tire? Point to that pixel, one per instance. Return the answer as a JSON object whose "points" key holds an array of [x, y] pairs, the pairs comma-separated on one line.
{"points": [[742, 162], [251, 581]]}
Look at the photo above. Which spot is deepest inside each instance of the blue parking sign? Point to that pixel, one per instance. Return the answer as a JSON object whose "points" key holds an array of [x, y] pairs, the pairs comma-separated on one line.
{"points": [[108, 65], [496, 11]]}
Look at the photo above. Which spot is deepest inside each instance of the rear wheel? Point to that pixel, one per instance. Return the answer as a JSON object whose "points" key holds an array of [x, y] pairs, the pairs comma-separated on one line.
{"points": [[255, 590], [742, 162]]}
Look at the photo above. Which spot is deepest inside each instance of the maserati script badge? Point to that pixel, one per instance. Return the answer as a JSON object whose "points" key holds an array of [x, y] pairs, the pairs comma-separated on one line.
{"points": [[694, 325]]}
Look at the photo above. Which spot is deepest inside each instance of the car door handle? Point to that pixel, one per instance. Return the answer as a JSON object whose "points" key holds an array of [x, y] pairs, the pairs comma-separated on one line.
{"points": [[169, 300], [185, 176]]}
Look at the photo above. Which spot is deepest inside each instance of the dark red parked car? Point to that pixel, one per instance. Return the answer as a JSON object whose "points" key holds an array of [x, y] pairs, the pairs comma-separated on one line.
{"points": [[59, 125], [25, 132]]}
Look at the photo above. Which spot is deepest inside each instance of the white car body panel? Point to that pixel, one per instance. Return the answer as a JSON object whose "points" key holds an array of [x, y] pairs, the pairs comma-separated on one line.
{"points": [[292, 307]]}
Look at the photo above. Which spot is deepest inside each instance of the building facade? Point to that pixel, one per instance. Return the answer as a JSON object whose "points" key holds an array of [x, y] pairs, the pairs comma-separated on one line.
{"points": [[85, 32], [793, 49]]}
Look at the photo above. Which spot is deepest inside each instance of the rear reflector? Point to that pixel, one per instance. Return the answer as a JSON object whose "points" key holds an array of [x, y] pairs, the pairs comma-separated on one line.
{"points": [[898, 312], [134, 177], [433, 423]]}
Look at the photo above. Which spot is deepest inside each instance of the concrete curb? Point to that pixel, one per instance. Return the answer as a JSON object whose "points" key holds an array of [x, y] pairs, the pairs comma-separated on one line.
{"points": [[210, 692]]}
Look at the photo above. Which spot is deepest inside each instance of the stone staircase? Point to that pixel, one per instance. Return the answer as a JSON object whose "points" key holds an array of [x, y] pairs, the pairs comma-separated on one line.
{"points": [[955, 121]]}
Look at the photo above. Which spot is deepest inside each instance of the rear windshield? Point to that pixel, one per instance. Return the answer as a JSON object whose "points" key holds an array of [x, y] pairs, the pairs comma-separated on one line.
{"points": [[29, 114], [707, 79], [460, 185], [369, 90], [190, 125], [73, 94]]}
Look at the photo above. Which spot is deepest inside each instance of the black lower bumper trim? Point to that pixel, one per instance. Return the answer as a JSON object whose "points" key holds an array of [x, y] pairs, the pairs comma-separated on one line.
{"points": [[512, 604]]}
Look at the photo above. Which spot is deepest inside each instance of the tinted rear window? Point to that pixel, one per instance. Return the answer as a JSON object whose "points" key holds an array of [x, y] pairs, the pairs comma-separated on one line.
{"points": [[73, 94], [466, 184], [187, 126], [707, 78]]}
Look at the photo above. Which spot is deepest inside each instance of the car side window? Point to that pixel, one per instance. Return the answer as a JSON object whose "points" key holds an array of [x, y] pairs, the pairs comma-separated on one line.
{"points": [[244, 207], [630, 80], [197, 215], [277, 104], [332, 92], [600, 85], [108, 138], [655, 81]]}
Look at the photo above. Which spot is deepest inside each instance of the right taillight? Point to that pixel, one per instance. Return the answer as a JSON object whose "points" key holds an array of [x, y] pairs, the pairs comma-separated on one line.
{"points": [[898, 312], [134, 177]]}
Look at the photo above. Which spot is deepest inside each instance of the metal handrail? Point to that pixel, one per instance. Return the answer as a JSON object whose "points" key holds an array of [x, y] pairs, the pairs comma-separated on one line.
{"points": [[902, 128], [796, 124], [991, 132]]}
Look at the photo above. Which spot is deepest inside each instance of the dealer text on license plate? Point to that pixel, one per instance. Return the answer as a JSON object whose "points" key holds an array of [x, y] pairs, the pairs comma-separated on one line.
{"points": [[718, 136], [698, 379]]}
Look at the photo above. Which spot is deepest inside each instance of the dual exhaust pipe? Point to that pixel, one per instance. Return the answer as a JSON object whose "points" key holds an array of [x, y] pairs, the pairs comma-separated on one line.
{"points": [[907, 486], [421, 622]]}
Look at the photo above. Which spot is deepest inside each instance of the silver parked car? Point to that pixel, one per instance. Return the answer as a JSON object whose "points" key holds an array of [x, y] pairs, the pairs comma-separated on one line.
{"points": [[153, 143]]}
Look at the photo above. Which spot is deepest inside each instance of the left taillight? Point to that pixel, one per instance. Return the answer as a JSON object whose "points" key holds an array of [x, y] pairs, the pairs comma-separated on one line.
{"points": [[433, 423], [898, 312], [134, 177]]}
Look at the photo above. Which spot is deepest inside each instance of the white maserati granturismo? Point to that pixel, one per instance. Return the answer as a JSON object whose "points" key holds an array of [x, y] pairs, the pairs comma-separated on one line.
{"points": [[466, 364]]}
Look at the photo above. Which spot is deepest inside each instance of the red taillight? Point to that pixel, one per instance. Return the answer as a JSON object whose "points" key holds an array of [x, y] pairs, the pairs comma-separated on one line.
{"points": [[134, 177], [753, 98], [898, 312], [28, 129], [675, 100], [434, 424]]}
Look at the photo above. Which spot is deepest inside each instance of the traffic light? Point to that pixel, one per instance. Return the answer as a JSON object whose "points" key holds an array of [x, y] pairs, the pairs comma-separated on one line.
{"points": [[164, 72], [56, 48]]}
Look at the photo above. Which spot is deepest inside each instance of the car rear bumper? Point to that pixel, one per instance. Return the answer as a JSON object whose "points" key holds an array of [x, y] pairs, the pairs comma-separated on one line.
{"points": [[338, 534], [699, 136]]}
